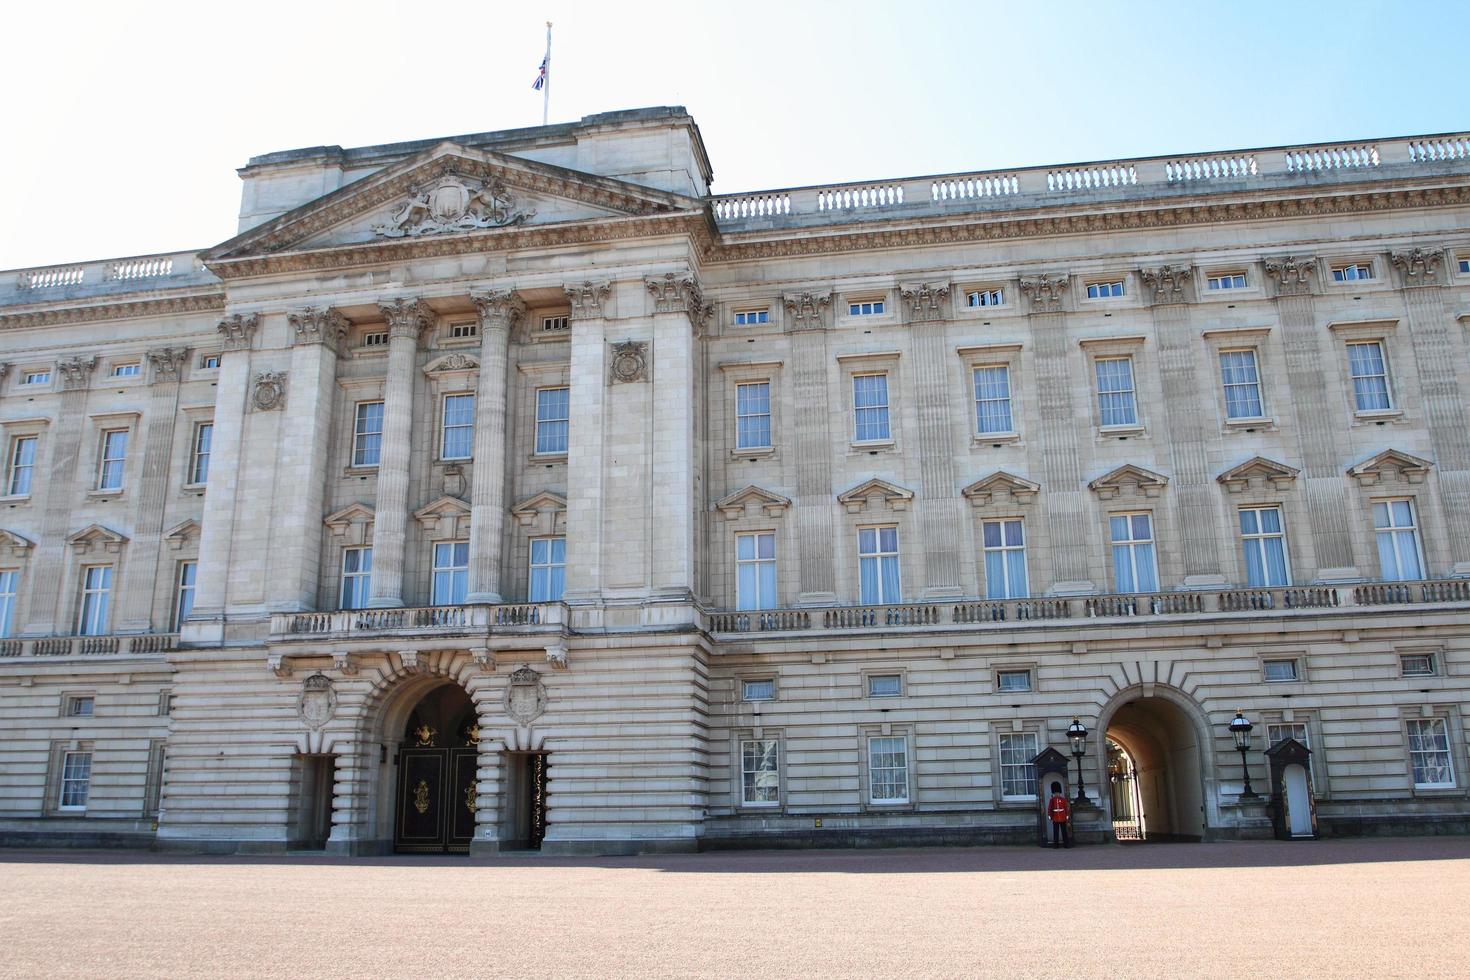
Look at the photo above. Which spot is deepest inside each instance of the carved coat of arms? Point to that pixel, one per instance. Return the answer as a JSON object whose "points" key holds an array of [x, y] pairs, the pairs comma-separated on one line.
{"points": [[453, 203], [318, 702], [270, 390], [525, 696], [629, 362]]}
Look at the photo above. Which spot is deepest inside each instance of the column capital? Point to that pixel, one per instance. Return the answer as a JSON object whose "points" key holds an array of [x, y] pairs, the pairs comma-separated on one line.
{"points": [[167, 362], [1418, 267], [807, 311], [1292, 274], [1169, 283], [588, 299], [406, 317], [237, 330], [498, 308], [76, 371], [926, 301], [676, 293], [1045, 292], [310, 325]]}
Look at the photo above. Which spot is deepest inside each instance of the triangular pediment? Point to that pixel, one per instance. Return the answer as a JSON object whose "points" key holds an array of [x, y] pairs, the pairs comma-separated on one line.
{"points": [[95, 538], [544, 510], [18, 546], [734, 506], [858, 498], [447, 517], [353, 513], [1002, 484], [448, 191], [181, 533], [1260, 472], [1129, 478], [1391, 465]]}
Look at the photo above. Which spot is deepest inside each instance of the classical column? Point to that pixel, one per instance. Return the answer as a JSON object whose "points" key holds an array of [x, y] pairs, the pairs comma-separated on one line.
{"points": [[806, 321], [406, 320], [42, 616], [135, 614], [499, 313], [295, 573], [1317, 413], [584, 441], [1196, 516], [1061, 465], [217, 529]]}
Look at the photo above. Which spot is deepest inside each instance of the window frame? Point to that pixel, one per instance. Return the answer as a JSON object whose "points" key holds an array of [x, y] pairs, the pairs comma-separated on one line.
{"points": [[201, 444], [1004, 549], [980, 434], [1222, 282], [761, 679], [870, 676], [886, 439], [1431, 657], [1295, 663], [63, 780], [1259, 538], [1333, 268], [880, 556], [126, 369], [357, 459], [1026, 672], [34, 379], [1132, 544], [357, 575], [14, 467], [94, 605], [1448, 750], [761, 314], [566, 420], [549, 565], [768, 415], [867, 306], [458, 574], [743, 773], [1384, 363], [465, 430], [1025, 765], [1258, 383], [1397, 532], [1105, 289], [759, 564], [72, 705], [9, 599], [1131, 391], [901, 739], [108, 466], [182, 610]]}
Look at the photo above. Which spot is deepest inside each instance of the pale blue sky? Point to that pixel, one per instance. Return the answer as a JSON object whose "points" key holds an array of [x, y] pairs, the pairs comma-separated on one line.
{"points": [[124, 121]]}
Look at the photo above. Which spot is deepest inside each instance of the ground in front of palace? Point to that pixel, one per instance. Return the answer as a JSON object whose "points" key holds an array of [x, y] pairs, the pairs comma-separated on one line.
{"points": [[1360, 908]]}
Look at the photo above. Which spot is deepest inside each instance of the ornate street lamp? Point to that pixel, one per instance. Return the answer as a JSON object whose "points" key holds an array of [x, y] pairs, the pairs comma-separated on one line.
{"points": [[1240, 729], [1077, 735]]}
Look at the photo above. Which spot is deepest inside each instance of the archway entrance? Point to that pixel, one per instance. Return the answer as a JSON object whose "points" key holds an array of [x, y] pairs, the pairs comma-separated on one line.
{"points": [[437, 764], [1156, 784]]}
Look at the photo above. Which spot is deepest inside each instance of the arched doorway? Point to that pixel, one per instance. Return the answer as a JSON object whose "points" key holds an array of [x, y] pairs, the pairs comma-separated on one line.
{"points": [[1159, 763], [437, 767]]}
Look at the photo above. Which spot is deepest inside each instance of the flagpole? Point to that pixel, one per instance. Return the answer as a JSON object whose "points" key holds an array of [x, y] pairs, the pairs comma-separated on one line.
{"points": [[546, 89]]}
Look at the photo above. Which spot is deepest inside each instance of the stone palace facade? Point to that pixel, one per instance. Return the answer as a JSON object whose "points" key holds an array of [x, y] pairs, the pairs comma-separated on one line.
{"points": [[511, 490]]}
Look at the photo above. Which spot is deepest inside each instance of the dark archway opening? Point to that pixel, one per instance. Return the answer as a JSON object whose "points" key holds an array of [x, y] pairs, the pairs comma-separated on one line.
{"points": [[1154, 771], [437, 774]]}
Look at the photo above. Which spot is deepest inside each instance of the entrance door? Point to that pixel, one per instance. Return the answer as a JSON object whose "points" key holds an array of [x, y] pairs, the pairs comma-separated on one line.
{"points": [[1298, 801], [437, 771]]}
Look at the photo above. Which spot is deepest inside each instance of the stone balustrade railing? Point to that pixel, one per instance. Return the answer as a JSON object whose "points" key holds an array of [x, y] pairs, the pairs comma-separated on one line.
{"points": [[1053, 609], [418, 620], [88, 646], [135, 272]]}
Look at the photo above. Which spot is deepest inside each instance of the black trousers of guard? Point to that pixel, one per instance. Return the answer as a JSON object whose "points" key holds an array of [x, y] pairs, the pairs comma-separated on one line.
{"points": [[1059, 836]]}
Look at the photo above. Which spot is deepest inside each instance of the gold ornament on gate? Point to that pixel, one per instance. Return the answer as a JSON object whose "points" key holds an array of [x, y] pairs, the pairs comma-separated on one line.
{"points": [[421, 797], [425, 735], [472, 735], [472, 798]]}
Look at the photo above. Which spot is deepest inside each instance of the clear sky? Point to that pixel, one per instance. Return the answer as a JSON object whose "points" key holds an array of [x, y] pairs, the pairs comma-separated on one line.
{"points": [[124, 121]]}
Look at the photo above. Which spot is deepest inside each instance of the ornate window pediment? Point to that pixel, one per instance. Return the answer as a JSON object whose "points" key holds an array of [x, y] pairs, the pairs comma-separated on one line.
{"points": [[1390, 466], [445, 518], [354, 523], [738, 504], [1129, 479], [865, 494], [451, 364], [96, 539], [544, 512], [1258, 471], [17, 546], [1001, 485], [181, 534]]}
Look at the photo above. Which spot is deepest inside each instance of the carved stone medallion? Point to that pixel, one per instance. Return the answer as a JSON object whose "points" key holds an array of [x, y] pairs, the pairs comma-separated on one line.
{"points": [[453, 203], [318, 702], [629, 362], [270, 391], [525, 696]]}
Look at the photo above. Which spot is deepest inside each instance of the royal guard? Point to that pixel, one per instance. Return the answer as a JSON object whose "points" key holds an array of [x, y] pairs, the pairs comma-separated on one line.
{"points": [[1060, 812]]}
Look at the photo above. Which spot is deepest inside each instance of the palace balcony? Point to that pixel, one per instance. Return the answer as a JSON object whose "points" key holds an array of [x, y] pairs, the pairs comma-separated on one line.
{"points": [[133, 644], [463, 620]]}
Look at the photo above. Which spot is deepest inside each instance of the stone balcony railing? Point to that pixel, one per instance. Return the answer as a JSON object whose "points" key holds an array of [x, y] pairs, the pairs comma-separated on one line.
{"points": [[139, 273], [1076, 610], [88, 646], [525, 617]]}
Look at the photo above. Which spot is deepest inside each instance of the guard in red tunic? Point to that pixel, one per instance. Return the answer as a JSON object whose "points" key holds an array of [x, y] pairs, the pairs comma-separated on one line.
{"points": [[1060, 812]]}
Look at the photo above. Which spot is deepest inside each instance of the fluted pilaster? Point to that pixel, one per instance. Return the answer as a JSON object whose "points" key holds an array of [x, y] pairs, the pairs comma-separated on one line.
{"points": [[499, 313]]}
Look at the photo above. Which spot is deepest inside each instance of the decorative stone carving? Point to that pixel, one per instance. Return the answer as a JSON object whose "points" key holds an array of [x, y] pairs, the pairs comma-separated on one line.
{"points": [[673, 293], [807, 311], [353, 523], [237, 330], [453, 203], [1292, 274], [269, 392], [278, 665], [94, 538], [525, 696], [450, 363], [446, 519], [407, 317], [318, 702], [17, 546], [4, 370], [1001, 485], [483, 658], [1258, 471], [76, 371], [629, 362], [1045, 293], [1418, 266], [1168, 283], [734, 506], [314, 326], [860, 497], [556, 656], [927, 301], [167, 362], [1128, 478], [343, 662], [545, 511], [498, 308], [181, 534], [1390, 466], [410, 661], [588, 299]]}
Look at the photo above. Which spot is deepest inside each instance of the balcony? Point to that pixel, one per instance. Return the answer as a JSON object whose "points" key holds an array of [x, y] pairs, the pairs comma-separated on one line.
{"points": [[89, 646], [528, 617], [989, 614]]}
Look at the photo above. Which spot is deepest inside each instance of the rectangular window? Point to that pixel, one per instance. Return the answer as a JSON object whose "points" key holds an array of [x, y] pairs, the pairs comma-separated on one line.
{"points": [[548, 569], [199, 460], [459, 427], [761, 689], [36, 378], [96, 596], [1369, 371], [114, 458], [459, 331], [749, 318], [22, 466], [1102, 290], [1134, 566], [377, 339], [129, 370], [1352, 273], [553, 419], [993, 400], [451, 573], [208, 362], [1013, 681], [555, 324], [760, 772], [885, 685], [1263, 537], [76, 778], [865, 308], [184, 603], [1231, 280], [1463, 265], [888, 769], [1017, 774], [1281, 731], [367, 434], [755, 570], [1399, 556], [870, 408], [1115, 401], [1410, 664], [357, 577], [753, 415], [1429, 753], [81, 706], [8, 581], [1005, 559], [878, 565], [1242, 384], [1279, 670], [986, 297]]}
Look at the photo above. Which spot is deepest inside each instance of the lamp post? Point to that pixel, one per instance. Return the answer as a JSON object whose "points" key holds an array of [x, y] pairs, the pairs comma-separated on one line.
{"points": [[1077, 735], [1240, 729]]}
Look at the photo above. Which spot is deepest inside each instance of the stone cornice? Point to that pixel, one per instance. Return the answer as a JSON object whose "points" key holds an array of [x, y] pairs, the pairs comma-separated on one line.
{"points": [[124, 310]]}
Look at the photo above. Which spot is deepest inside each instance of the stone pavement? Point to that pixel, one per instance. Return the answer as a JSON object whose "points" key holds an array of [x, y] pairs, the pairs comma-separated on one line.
{"points": [[1328, 908]]}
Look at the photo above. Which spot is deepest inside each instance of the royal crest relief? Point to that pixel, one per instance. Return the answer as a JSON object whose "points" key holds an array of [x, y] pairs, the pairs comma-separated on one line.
{"points": [[453, 203], [525, 696], [318, 702], [270, 391]]}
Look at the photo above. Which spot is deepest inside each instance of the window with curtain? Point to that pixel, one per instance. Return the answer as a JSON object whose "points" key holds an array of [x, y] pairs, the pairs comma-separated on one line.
{"points": [[184, 601], [548, 569], [199, 461], [755, 570], [1429, 753], [367, 434], [357, 577], [1005, 560], [888, 769], [993, 399], [1134, 565], [22, 466], [8, 581], [458, 435], [1115, 401], [1017, 774], [1263, 537], [1369, 371], [760, 772], [451, 573], [96, 597], [870, 407], [1399, 555], [114, 457], [1242, 384], [553, 419], [753, 415], [878, 565]]}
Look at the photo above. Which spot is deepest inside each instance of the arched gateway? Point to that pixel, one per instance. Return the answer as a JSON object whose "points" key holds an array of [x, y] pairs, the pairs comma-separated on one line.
{"points": [[1158, 765], [437, 789]]}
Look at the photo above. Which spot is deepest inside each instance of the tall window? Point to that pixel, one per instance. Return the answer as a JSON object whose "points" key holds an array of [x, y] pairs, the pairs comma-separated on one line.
{"points": [[199, 462], [993, 399], [1017, 774], [1429, 753], [114, 456], [367, 434], [96, 595], [760, 772], [459, 427], [753, 415], [1133, 552], [548, 569], [553, 419], [1399, 556], [888, 769], [755, 570], [22, 466], [878, 564], [1242, 384], [870, 407], [1115, 402], [76, 779], [357, 577], [1264, 538], [451, 573], [1369, 371], [8, 580], [1005, 560], [184, 604]]}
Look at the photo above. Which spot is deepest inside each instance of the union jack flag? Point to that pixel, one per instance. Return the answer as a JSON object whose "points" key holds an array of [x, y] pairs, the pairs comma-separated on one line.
{"points": [[541, 74]]}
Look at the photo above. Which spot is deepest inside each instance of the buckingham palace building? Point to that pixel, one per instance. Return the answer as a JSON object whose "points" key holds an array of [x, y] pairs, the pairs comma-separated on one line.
{"points": [[513, 491]]}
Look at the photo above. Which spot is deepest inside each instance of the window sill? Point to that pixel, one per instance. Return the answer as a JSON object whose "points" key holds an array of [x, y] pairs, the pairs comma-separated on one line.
{"points": [[17, 498], [876, 446], [1378, 415], [104, 494], [995, 438], [548, 458], [753, 452], [360, 471], [1119, 431], [453, 461], [1264, 422]]}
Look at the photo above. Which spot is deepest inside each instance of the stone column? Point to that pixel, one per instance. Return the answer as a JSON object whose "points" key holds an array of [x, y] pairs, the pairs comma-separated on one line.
{"points": [[499, 314], [135, 614], [938, 505], [806, 321], [1196, 516], [1061, 488], [584, 441], [295, 573], [1435, 359], [1317, 414], [406, 320], [217, 529], [42, 616]]}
